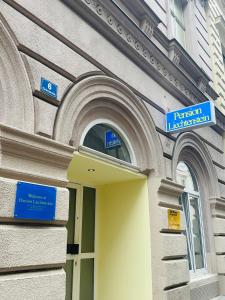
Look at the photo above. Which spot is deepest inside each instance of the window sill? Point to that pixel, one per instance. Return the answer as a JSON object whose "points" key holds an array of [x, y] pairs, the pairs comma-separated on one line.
{"points": [[197, 280]]}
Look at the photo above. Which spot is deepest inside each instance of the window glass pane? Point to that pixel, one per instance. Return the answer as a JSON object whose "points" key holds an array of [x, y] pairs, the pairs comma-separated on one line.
{"points": [[196, 230], [178, 10], [190, 202], [105, 139], [88, 222], [87, 279], [72, 213], [186, 177], [180, 34], [183, 200], [69, 279]]}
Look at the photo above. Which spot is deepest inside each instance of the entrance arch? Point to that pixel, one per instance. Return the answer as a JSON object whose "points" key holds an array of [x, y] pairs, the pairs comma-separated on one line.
{"points": [[101, 97], [121, 190], [16, 99]]}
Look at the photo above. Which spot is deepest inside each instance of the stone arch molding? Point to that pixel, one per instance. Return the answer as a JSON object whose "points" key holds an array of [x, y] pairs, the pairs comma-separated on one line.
{"points": [[16, 99], [190, 148], [101, 97]]}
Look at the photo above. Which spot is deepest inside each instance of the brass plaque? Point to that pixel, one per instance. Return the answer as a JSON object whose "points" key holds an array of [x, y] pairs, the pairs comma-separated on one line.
{"points": [[174, 219]]}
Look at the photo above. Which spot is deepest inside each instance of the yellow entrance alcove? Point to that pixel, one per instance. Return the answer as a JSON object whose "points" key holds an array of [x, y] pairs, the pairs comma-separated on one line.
{"points": [[122, 230]]}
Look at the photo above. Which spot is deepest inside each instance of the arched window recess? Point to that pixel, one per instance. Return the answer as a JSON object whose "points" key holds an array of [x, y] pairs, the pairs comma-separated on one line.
{"points": [[105, 138], [191, 203]]}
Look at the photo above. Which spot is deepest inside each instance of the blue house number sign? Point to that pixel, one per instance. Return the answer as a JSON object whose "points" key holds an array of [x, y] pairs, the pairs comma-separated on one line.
{"points": [[49, 88], [191, 117], [35, 202]]}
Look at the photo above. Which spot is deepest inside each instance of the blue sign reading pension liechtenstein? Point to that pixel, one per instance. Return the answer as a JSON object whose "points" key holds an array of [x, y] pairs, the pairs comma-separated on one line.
{"points": [[198, 115], [111, 140], [49, 88], [35, 202]]}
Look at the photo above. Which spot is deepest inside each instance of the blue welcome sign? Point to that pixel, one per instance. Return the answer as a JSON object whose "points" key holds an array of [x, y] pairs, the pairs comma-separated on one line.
{"points": [[35, 202], [198, 115], [49, 88], [111, 140]]}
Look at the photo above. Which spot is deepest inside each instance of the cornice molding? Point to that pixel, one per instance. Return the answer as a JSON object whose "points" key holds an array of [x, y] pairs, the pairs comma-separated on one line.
{"points": [[217, 207], [30, 157], [127, 36], [115, 24], [171, 187], [146, 16], [187, 63]]}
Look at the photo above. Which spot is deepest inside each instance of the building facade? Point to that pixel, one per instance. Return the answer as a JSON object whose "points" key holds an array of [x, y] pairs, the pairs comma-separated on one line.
{"points": [[215, 18], [139, 212]]}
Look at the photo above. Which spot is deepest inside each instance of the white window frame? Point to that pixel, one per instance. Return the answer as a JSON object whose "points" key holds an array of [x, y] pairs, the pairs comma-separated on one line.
{"points": [[195, 273], [176, 21]]}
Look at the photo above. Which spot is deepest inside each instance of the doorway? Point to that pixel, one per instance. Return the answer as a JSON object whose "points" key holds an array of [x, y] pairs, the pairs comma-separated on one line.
{"points": [[110, 216], [80, 243]]}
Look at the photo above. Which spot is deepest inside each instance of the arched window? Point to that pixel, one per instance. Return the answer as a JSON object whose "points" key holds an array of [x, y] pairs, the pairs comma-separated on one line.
{"points": [[106, 139], [191, 203]]}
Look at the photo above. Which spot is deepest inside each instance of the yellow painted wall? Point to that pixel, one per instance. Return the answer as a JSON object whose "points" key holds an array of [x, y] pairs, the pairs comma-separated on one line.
{"points": [[123, 266]]}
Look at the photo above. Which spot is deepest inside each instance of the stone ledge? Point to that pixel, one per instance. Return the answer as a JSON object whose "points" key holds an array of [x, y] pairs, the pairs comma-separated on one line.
{"points": [[180, 293], [170, 187], [27, 156]]}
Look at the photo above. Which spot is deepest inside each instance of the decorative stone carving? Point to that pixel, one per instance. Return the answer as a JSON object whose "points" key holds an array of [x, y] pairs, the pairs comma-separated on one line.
{"points": [[202, 84], [174, 54], [147, 25], [119, 106]]}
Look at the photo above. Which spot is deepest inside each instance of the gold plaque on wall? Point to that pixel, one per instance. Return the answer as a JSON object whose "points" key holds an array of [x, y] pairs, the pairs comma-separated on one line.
{"points": [[174, 219]]}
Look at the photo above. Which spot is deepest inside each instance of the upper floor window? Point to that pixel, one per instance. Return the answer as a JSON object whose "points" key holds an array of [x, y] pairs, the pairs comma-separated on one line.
{"points": [[191, 203], [177, 11], [107, 140]]}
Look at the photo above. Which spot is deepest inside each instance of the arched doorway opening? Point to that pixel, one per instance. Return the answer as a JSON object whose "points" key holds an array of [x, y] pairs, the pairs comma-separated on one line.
{"points": [[115, 141], [110, 224]]}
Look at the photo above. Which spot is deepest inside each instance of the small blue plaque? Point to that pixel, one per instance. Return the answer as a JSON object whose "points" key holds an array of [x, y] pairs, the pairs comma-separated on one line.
{"points": [[111, 140], [49, 88], [35, 202]]}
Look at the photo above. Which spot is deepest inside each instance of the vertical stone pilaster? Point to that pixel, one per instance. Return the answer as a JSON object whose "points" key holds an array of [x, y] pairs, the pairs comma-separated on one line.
{"points": [[218, 214], [169, 250]]}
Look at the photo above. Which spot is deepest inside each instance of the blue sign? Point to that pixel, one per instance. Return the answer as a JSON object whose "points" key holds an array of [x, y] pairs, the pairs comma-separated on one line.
{"points": [[49, 88], [35, 202], [198, 115], [111, 140]]}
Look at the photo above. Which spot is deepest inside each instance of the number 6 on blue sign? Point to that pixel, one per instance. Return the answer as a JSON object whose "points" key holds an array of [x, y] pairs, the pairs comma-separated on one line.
{"points": [[49, 88]]}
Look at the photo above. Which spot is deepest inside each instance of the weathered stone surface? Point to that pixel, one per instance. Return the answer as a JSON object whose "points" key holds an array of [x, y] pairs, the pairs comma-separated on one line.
{"points": [[221, 264], [174, 272], [45, 285], [45, 116], [24, 247], [181, 293], [219, 225], [173, 245], [220, 244]]}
